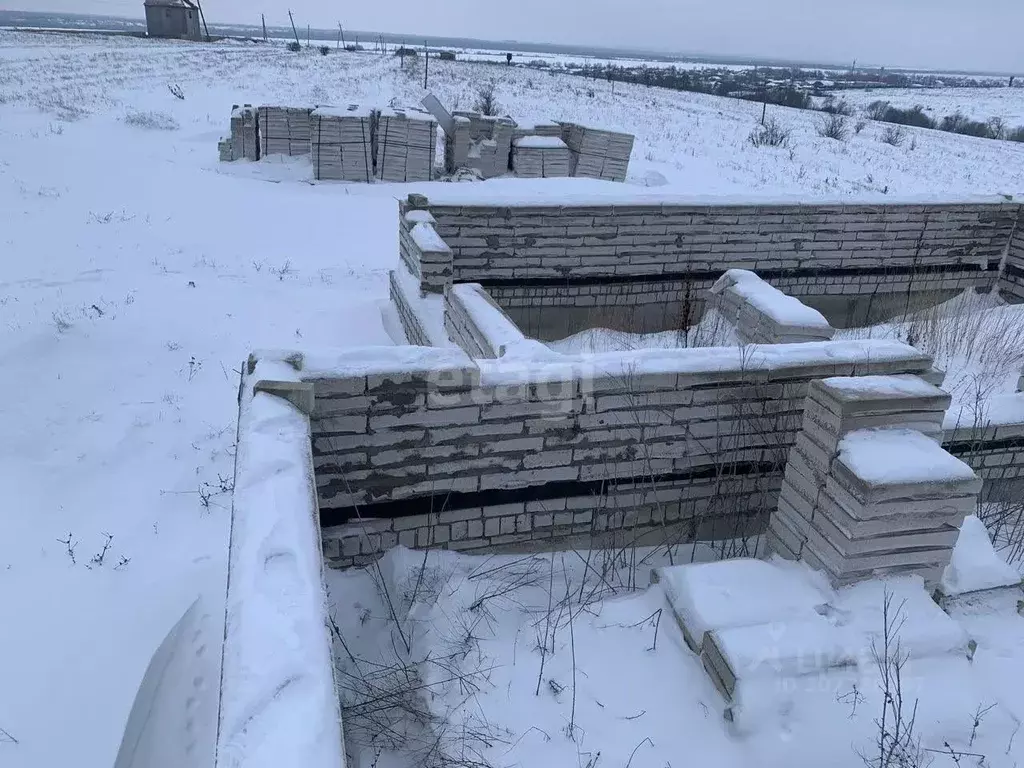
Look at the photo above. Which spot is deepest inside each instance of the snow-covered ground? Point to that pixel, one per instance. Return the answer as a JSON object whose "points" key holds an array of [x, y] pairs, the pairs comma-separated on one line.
{"points": [[975, 103], [694, 142], [137, 272], [568, 659]]}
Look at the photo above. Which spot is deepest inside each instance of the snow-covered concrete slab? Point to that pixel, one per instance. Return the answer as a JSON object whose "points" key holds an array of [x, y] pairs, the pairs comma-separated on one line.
{"points": [[901, 463], [708, 597], [764, 314], [279, 703]]}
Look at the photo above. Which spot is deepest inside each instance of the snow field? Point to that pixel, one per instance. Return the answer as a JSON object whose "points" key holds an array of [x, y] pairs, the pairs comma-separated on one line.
{"points": [[135, 279], [975, 103]]}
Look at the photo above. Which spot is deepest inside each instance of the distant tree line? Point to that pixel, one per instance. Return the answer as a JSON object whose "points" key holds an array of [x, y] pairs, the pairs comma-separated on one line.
{"points": [[798, 88], [993, 128]]}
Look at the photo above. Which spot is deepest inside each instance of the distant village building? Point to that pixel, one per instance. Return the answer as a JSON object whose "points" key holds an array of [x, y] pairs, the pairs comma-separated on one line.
{"points": [[177, 19]]}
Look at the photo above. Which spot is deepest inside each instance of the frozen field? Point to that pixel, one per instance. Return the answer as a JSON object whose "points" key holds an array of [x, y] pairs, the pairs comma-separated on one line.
{"points": [[138, 272], [975, 103]]}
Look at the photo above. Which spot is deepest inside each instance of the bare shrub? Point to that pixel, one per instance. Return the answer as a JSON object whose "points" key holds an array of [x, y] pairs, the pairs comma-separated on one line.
{"points": [[914, 116], [726, 522], [876, 109], [897, 744], [893, 135], [835, 126], [859, 126], [486, 101], [836, 107], [771, 134], [977, 339], [151, 121], [1004, 521], [424, 708], [62, 321], [997, 127], [960, 123], [63, 106], [975, 332]]}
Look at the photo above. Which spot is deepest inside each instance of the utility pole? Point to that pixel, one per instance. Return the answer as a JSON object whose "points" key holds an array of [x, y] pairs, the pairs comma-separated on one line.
{"points": [[764, 109], [202, 16], [338, 46], [307, 35], [264, 17], [426, 65], [294, 31]]}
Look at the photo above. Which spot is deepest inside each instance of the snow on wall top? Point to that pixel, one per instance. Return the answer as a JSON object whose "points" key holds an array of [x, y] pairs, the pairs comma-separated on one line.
{"points": [[279, 704], [772, 302], [540, 142], [363, 361], [569, 192], [429, 308], [427, 239], [899, 457], [489, 319], [872, 387], [418, 216], [702, 360]]}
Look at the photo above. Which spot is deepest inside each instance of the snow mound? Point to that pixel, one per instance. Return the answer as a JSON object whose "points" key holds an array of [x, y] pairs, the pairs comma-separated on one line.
{"points": [[975, 564], [923, 629]]}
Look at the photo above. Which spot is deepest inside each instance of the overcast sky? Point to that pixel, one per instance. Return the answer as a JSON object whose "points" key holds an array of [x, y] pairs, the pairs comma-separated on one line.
{"points": [[969, 34]]}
